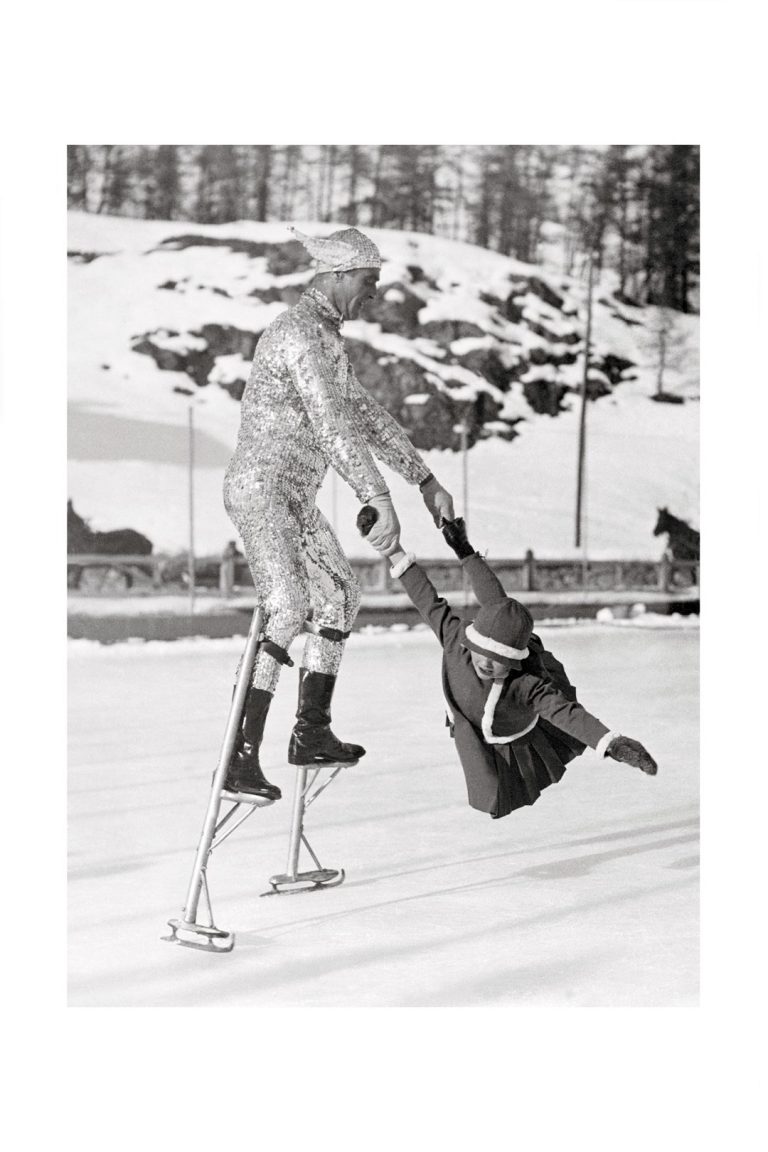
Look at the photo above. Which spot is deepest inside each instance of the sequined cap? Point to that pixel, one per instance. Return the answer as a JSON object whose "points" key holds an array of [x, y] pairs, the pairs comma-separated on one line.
{"points": [[342, 251]]}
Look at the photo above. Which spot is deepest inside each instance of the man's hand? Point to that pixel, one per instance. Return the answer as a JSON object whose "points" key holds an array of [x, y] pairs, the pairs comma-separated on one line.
{"points": [[384, 534], [366, 518], [439, 502], [629, 751]]}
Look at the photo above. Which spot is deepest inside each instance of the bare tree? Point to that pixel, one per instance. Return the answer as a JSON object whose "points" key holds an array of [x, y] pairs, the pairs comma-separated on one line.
{"points": [[668, 346]]}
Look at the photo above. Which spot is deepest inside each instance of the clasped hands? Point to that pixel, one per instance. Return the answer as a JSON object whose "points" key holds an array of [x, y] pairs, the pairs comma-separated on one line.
{"points": [[383, 529]]}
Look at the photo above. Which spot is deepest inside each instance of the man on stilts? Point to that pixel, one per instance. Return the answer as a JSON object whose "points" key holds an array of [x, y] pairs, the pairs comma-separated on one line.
{"points": [[302, 411]]}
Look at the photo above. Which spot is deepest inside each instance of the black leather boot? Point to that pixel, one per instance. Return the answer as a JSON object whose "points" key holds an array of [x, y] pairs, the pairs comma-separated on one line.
{"points": [[312, 741], [244, 773]]}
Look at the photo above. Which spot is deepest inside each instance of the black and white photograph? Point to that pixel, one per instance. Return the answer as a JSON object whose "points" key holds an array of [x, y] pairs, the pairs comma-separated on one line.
{"points": [[383, 491], [378, 716]]}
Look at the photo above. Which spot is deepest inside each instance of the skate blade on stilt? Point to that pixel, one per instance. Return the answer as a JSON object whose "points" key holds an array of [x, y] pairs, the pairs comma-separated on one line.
{"points": [[293, 881], [246, 798], [286, 885], [204, 936]]}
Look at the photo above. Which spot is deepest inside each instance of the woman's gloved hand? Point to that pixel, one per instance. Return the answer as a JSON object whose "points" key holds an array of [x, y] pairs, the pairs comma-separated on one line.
{"points": [[438, 500], [455, 534], [629, 751]]}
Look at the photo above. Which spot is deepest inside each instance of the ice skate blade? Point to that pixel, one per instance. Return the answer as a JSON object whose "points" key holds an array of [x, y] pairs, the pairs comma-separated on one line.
{"points": [[246, 798], [325, 764], [285, 885], [207, 935]]}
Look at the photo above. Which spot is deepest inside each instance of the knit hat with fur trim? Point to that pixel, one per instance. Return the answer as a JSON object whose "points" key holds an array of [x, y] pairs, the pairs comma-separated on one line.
{"points": [[501, 632]]}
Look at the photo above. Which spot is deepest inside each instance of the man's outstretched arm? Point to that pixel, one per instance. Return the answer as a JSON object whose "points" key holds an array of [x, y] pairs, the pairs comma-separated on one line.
{"points": [[390, 443]]}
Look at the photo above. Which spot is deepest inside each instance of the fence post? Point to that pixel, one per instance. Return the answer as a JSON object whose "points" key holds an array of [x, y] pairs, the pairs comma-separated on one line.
{"points": [[227, 570], [665, 571], [529, 569]]}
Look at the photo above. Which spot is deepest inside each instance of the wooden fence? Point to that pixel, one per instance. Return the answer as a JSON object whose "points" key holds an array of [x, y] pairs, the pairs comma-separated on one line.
{"points": [[110, 574]]}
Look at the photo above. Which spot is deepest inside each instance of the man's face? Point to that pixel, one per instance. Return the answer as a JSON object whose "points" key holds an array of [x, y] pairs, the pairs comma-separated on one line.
{"points": [[357, 288], [486, 668]]}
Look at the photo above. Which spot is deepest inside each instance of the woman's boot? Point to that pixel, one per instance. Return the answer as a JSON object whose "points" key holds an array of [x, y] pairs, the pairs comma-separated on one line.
{"points": [[244, 773], [312, 741]]}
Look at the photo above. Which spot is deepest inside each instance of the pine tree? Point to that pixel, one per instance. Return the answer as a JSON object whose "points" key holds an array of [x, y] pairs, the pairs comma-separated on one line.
{"points": [[218, 188], [670, 191], [165, 195], [356, 163], [115, 186], [292, 157], [78, 166], [483, 209]]}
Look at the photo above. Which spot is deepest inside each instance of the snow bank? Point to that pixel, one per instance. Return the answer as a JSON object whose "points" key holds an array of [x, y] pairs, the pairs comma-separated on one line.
{"points": [[640, 455]]}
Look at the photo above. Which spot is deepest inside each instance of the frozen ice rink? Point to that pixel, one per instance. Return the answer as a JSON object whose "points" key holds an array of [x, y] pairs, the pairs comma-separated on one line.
{"points": [[589, 898]]}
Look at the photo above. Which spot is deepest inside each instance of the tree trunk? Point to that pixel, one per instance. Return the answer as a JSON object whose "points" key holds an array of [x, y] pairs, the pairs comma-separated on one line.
{"points": [[350, 212], [106, 178], [330, 172], [263, 183], [376, 196]]}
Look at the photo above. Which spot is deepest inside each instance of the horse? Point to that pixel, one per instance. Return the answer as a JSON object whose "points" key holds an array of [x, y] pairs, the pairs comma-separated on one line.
{"points": [[118, 542], [682, 540]]}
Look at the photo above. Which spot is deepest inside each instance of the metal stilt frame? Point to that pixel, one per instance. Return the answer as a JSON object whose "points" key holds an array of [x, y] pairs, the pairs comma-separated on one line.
{"points": [[189, 931], [292, 880]]}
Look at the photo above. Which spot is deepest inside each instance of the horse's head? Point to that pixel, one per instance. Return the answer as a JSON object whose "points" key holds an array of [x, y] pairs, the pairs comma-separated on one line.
{"points": [[662, 522], [78, 532], [75, 523]]}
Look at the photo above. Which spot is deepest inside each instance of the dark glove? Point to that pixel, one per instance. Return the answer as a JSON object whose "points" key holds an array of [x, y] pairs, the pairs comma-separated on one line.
{"points": [[628, 751], [366, 518], [455, 533]]}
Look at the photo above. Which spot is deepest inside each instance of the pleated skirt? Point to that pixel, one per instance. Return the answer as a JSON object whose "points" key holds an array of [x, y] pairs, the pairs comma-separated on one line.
{"points": [[530, 764]]}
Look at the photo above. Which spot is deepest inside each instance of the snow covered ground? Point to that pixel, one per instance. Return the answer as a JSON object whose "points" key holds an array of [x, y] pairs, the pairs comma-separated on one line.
{"points": [[589, 898], [128, 429]]}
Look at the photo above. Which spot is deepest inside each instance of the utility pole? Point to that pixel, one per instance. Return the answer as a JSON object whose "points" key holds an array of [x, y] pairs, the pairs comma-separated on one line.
{"points": [[465, 469], [191, 560], [583, 415], [463, 430]]}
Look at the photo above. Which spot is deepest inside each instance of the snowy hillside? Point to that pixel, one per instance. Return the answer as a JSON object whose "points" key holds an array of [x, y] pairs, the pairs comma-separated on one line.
{"points": [[164, 315]]}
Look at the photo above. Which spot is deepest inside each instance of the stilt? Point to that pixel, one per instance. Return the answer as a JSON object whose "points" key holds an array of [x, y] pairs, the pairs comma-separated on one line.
{"points": [[188, 930], [292, 880]]}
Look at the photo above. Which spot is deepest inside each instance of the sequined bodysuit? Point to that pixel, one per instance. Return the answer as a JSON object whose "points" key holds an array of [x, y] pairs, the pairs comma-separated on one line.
{"points": [[303, 409]]}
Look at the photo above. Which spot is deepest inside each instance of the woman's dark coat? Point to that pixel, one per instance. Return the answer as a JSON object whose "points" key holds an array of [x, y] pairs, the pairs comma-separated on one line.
{"points": [[503, 776]]}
